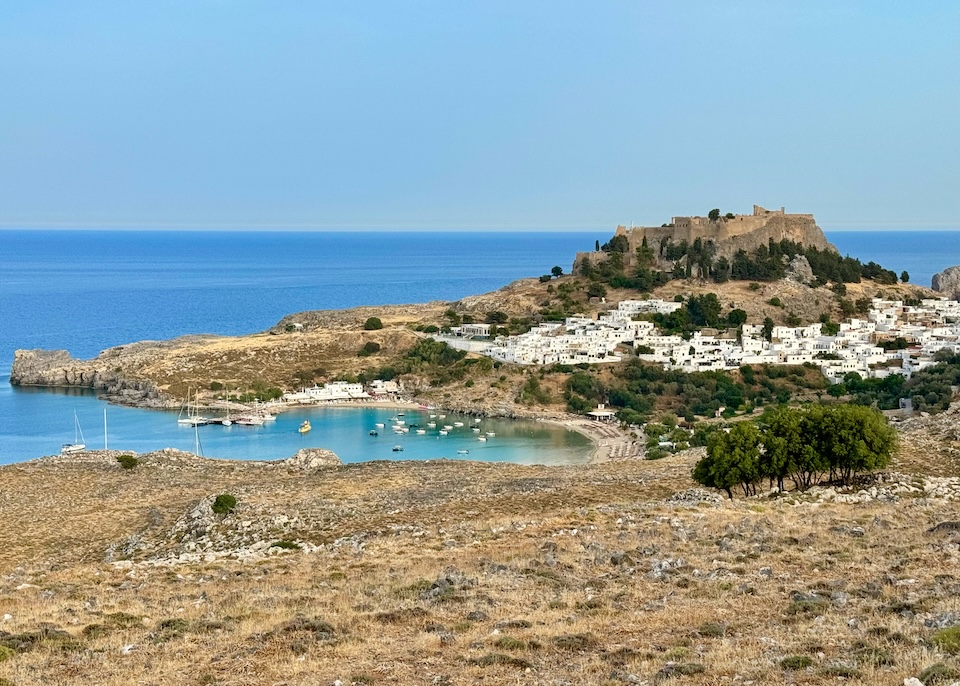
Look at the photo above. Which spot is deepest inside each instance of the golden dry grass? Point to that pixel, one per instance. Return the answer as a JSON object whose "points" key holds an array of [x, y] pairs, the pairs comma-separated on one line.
{"points": [[462, 573]]}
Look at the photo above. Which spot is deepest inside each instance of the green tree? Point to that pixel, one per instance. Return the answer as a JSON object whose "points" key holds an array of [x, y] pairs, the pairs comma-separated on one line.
{"points": [[372, 324], [497, 317], [596, 290], [732, 460], [596, 246], [905, 276], [768, 328], [714, 214], [557, 271]]}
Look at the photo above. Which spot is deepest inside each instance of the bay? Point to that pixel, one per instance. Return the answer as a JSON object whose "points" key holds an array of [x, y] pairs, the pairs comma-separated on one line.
{"points": [[85, 291]]}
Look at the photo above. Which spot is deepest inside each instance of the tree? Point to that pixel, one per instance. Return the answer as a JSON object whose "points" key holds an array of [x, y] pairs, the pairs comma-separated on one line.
{"points": [[768, 328], [905, 276], [497, 317], [732, 460], [372, 324], [729, 215], [596, 290], [596, 246], [557, 271], [714, 214]]}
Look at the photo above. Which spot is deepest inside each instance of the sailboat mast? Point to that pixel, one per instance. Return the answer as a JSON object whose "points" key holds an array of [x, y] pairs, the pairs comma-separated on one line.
{"points": [[104, 428]]}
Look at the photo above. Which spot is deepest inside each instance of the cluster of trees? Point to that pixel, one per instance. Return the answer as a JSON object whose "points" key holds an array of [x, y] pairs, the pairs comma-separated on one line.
{"points": [[930, 389], [639, 389], [699, 311], [698, 258], [802, 445]]}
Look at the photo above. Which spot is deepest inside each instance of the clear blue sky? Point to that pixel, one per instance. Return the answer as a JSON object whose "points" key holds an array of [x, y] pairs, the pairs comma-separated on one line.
{"points": [[486, 114]]}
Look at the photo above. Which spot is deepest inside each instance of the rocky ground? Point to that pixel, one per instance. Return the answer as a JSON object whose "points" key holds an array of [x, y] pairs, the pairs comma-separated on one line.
{"points": [[467, 573]]}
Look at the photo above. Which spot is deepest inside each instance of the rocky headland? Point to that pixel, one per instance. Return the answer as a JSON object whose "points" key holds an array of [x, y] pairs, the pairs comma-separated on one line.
{"points": [[947, 283]]}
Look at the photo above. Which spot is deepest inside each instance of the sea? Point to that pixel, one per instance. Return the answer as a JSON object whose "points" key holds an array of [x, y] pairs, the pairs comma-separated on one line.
{"points": [[87, 290]]}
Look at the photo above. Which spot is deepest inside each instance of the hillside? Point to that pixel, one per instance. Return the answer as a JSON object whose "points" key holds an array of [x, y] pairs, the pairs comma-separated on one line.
{"points": [[467, 573]]}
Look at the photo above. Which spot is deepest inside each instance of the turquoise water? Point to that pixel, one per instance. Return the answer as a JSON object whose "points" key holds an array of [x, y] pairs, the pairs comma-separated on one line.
{"points": [[88, 290], [341, 429]]}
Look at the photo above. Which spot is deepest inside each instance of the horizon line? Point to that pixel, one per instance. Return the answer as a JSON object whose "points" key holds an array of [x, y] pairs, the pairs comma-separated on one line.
{"points": [[885, 225]]}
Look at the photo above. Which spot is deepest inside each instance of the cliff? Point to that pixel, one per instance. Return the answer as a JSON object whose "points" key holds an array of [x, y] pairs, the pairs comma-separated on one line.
{"points": [[727, 235], [947, 283]]}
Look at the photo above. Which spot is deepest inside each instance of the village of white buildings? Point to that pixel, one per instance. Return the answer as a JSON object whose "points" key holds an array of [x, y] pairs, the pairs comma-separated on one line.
{"points": [[931, 326]]}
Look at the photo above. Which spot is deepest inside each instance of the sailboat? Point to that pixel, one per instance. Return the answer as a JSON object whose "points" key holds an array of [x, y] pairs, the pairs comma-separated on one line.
{"points": [[78, 439], [193, 412]]}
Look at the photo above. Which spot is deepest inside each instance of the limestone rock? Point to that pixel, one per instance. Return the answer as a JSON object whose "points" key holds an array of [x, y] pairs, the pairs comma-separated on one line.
{"points": [[799, 270], [947, 283], [309, 459]]}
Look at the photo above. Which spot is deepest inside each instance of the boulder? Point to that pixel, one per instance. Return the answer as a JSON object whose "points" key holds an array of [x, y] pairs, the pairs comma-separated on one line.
{"points": [[799, 270], [947, 283], [309, 459]]}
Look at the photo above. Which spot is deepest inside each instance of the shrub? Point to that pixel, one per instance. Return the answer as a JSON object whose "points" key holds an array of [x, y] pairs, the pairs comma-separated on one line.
{"points": [[224, 504], [947, 640], [372, 324], [128, 461], [939, 674], [796, 662], [754, 286], [369, 348], [286, 544], [775, 302], [216, 386]]}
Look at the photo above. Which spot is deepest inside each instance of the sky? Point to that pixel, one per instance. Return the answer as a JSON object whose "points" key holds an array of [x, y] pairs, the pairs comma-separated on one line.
{"points": [[476, 115]]}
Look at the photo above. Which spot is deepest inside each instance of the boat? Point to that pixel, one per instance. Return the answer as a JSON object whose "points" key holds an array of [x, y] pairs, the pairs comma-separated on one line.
{"points": [[431, 425], [248, 420], [443, 416], [458, 423], [193, 417], [398, 448], [482, 438], [305, 426], [78, 439], [433, 416], [420, 432], [475, 430], [442, 432], [491, 434], [400, 422], [463, 452], [379, 425], [447, 427], [373, 432]]}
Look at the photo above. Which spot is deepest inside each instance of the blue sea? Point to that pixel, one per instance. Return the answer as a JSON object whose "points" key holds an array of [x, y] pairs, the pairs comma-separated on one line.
{"points": [[85, 291]]}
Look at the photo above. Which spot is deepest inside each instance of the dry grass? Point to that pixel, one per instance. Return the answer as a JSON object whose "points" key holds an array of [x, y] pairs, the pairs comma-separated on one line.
{"points": [[462, 573]]}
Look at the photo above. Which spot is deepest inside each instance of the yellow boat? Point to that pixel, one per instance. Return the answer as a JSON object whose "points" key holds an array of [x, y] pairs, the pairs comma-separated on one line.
{"points": [[305, 427]]}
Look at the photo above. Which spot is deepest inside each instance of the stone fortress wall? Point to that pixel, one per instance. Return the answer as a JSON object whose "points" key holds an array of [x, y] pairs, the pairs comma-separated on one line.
{"points": [[740, 232]]}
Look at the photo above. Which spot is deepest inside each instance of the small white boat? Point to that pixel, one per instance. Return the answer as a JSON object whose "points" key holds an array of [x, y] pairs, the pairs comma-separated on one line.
{"points": [[379, 425], [398, 448], [443, 416], [482, 438], [477, 420], [442, 432], [432, 425], [491, 434], [458, 423], [79, 443], [227, 422], [420, 432], [433, 416], [400, 422], [475, 430], [463, 452], [447, 427]]}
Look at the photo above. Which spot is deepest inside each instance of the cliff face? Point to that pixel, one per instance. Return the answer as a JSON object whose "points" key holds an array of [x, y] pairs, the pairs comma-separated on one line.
{"points": [[57, 368], [947, 283]]}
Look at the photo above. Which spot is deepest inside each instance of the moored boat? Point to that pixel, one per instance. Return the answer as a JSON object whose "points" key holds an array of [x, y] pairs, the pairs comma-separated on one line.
{"points": [[305, 426]]}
